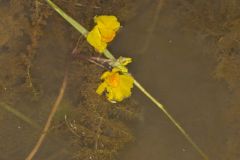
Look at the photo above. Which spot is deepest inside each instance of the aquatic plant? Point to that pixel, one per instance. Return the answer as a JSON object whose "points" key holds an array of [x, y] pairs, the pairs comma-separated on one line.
{"points": [[117, 84], [21, 43], [26, 42], [108, 55], [103, 32]]}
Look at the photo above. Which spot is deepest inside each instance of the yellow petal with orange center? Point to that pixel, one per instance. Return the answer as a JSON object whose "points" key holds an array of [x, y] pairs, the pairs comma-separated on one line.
{"points": [[107, 34], [113, 80], [116, 85]]}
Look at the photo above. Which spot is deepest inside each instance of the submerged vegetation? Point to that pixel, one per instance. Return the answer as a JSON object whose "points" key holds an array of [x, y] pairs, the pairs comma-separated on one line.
{"points": [[32, 70], [38, 49], [109, 24], [219, 22]]}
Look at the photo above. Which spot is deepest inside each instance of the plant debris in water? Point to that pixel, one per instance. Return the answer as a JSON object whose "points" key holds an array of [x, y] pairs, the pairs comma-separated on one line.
{"points": [[31, 71], [94, 128]]}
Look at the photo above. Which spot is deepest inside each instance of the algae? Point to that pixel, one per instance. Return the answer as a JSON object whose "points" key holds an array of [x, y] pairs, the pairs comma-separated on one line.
{"points": [[36, 47]]}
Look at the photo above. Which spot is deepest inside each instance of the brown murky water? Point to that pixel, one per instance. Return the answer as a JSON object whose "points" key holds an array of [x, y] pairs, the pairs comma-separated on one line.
{"points": [[176, 61], [178, 69]]}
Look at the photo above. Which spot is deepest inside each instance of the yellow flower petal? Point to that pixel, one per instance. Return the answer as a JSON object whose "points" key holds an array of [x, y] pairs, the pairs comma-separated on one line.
{"points": [[104, 32], [107, 34], [106, 21], [95, 39], [101, 88], [108, 26], [116, 85], [105, 74]]}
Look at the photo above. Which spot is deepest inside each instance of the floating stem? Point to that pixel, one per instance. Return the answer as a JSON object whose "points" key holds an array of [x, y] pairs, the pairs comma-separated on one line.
{"points": [[159, 105], [69, 19], [108, 54]]}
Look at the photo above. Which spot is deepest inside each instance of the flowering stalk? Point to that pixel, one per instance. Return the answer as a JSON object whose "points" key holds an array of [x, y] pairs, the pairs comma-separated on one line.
{"points": [[108, 54]]}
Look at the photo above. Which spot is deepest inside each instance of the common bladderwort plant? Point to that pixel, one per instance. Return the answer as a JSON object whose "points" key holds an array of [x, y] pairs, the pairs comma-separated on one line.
{"points": [[109, 55]]}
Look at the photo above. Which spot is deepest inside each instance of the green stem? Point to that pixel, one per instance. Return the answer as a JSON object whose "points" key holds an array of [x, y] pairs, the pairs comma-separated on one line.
{"points": [[159, 105], [108, 54], [69, 19]]}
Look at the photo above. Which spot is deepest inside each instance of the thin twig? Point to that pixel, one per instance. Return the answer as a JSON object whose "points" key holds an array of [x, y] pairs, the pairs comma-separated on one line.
{"points": [[98, 133], [19, 115], [49, 120]]}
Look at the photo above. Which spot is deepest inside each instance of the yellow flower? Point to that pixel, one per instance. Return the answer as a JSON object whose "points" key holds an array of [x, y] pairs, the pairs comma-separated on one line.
{"points": [[103, 32], [116, 85], [108, 26], [95, 39]]}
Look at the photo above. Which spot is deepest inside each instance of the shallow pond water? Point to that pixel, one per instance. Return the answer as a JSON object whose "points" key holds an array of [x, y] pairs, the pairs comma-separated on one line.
{"points": [[177, 67], [174, 61], [177, 70]]}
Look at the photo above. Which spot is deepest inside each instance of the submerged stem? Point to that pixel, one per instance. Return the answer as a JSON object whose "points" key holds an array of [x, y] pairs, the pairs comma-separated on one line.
{"points": [[159, 105], [108, 54], [69, 19], [18, 114]]}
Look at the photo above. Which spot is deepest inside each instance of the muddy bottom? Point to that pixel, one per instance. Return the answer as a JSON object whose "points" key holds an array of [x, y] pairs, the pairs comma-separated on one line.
{"points": [[192, 72]]}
